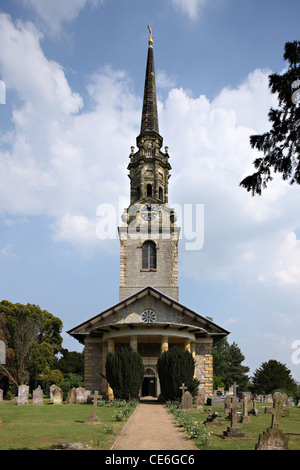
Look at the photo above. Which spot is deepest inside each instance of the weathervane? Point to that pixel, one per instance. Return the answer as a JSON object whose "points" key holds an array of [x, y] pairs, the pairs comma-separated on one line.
{"points": [[150, 42]]}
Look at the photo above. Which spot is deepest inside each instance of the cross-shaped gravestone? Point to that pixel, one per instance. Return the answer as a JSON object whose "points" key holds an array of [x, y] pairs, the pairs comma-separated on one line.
{"points": [[233, 431], [94, 418], [183, 388], [235, 386]]}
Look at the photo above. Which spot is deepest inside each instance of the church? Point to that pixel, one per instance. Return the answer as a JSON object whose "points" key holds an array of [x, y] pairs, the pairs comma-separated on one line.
{"points": [[148, 316]]}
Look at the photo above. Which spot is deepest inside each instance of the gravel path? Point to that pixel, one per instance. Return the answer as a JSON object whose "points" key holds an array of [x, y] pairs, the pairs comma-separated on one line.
{"points": [[151, 427]]}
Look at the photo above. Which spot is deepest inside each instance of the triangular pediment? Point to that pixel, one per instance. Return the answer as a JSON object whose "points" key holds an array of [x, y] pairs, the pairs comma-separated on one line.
{"points": [[168, 313]]}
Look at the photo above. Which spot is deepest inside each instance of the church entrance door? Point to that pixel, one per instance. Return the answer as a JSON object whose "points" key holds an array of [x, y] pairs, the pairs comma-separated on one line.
{"points": [[148, 388]]}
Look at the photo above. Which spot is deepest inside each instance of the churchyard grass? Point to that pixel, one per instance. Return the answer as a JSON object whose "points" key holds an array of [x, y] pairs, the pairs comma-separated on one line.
{"points": [[42, 427], [289, 425]]}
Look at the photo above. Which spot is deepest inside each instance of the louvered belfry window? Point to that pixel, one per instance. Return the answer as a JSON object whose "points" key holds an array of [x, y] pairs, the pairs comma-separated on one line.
{"points": [[149, 255]]}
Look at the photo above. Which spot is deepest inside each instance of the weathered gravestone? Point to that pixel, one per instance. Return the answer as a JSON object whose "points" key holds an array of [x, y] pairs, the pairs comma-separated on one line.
{"points": [[200, 401], [94, 418], [254, 411], [57, 395], [23, 392], [273, 438], [187, 402], [1, 394], [37, 396], [233, 430], [80, 395], [72, 395], [245, 418]]}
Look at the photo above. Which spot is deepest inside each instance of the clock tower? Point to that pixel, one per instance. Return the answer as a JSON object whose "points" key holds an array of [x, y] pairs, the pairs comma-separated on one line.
{"points": [[149, 235]]}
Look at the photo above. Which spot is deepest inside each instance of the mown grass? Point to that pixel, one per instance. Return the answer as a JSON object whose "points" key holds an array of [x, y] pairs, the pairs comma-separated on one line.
{"points": [[289, 425], [42, 427]]}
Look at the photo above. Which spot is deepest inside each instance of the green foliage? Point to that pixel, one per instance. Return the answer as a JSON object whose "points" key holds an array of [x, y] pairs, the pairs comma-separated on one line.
{"points": [[281, 145], [125, 373], [193, 428], [32, 337], [70, 381], [70, 362], [271, 376], [228, 366], [174, 368]]}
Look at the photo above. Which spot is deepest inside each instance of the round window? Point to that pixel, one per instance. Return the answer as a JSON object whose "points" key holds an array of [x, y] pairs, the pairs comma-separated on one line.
{"points": [[148, 316]]}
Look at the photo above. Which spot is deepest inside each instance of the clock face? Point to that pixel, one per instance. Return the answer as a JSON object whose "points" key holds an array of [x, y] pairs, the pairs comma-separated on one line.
{"points": [[149, 212]]}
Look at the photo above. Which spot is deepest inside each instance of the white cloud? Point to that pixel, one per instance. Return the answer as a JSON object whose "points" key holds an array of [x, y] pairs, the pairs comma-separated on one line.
{"points": [[56, 12], [191, 8]]}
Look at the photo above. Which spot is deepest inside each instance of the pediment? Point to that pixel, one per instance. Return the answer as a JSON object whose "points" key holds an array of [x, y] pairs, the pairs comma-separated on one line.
{"points": [[129, 313]]}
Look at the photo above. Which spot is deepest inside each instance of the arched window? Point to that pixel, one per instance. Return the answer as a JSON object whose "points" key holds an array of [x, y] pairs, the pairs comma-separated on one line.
{"points": [[149, 190], [149, 255], [160, 193]]}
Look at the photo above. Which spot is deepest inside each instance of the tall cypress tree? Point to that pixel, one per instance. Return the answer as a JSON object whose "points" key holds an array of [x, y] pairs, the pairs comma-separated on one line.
{"points": [[125, 373], [174, 368]]}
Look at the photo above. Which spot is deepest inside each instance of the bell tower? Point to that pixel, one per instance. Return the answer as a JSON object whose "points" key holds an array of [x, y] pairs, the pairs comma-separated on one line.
{"points": [[149, 235]]}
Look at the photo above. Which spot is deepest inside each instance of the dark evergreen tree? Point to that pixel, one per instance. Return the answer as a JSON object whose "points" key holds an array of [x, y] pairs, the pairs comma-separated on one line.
{"points": [[281, 145], [272, 376], [125, 373], [221, 363], [174, 368], [228, 366], [237, 372]]}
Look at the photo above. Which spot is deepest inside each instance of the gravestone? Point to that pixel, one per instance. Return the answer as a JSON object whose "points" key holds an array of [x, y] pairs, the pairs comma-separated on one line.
{"points": [[1, 394], [80, 395], [200, 401], [72, 396], [94, 418], [187, 402], [233, 430], [254, 411], [57, 396], [245, 418], [23, 392], [37, 396], [273, 438], [213, 419]]}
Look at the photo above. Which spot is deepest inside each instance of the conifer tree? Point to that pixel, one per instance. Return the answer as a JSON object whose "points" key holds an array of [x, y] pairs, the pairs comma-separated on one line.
{"points": [[174, 368], [125, 373]]}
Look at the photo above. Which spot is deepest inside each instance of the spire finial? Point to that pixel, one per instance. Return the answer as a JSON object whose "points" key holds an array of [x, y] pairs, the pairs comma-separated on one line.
{"points": [[150, 42]]}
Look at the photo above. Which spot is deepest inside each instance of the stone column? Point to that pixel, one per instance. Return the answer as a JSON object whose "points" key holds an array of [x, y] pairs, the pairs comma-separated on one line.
{"points": [[164, 344], [110, 349], [187, 345], [134, 342]]}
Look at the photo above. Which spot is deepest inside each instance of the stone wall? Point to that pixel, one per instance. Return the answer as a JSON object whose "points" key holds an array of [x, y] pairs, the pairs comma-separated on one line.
{"points": [[93, 364], [204, 365], [133, 277]]}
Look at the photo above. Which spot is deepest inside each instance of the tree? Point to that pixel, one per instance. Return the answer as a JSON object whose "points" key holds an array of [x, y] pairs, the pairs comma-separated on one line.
{"points": [[228, 366], [70, 362], [24, 326], [237, 372], [271, 376], [281, 145], [125, 373], [221, 359], [175, 367]]}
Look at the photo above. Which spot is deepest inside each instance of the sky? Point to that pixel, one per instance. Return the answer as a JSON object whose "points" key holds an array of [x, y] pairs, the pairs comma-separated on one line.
{"points": [[72, 75]]}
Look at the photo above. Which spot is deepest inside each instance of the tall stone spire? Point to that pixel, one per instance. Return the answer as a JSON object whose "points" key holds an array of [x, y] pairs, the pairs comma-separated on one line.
{"points": [[149, 122]]}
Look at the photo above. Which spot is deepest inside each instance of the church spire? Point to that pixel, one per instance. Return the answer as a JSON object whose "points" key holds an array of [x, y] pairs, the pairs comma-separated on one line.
{"points": [[149, 123]]}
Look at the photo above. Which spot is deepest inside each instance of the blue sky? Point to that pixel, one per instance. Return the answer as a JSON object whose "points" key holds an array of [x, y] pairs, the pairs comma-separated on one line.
{"points": [[74, 74]]}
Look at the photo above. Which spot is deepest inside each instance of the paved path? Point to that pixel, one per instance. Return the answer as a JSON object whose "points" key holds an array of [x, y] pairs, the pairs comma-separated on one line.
{"points": [[151, 427]]}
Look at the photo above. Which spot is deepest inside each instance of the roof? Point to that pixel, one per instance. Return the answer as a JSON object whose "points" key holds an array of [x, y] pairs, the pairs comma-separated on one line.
{"points": [[206, 327]]}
